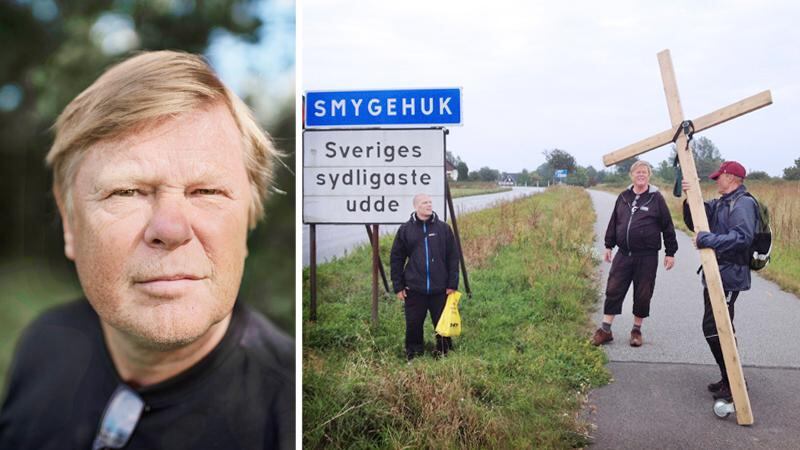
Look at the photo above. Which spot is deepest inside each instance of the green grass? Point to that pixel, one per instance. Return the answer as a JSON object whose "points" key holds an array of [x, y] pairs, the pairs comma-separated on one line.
{"points": [[26, 289], [468, 188], [521, 367], [466, 192]]}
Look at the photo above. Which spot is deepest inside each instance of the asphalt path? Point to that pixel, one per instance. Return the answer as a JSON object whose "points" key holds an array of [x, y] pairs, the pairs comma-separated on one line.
{"points": [[658, 398], [335, 241]]}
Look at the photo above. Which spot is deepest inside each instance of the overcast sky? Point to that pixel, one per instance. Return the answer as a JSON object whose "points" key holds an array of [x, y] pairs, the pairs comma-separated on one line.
{"points": [[579, 76]]}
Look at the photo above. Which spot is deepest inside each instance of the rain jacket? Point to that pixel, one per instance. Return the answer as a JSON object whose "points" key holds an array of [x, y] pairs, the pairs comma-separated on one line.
{"points": [[636, 225], [733, 219], [432, 258]]}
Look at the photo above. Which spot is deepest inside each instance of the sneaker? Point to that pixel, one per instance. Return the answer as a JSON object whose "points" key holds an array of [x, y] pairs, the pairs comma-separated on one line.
{"points": [[724, 392], [636, 338], [715, 387], [601, 337]]}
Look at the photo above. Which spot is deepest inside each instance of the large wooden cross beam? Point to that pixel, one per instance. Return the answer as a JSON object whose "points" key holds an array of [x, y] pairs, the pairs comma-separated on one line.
{"points": [[744, 415]]}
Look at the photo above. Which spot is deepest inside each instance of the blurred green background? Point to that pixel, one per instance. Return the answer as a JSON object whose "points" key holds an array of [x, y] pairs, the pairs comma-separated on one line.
{"points": [[52, 50]]}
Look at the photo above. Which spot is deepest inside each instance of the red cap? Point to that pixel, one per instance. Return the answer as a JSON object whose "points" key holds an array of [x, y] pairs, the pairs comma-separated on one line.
{"points": [[731, 167]]}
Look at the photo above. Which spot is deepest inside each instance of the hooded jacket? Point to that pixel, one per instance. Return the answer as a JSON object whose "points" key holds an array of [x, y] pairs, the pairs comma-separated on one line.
{"points": [[637, 223], [733, 219], [424, 257]]}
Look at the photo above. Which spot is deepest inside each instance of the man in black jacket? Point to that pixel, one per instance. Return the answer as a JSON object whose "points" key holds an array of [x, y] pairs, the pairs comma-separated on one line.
{"points": [[733, 219], [639, 220], [159, 171], [424, 267]]}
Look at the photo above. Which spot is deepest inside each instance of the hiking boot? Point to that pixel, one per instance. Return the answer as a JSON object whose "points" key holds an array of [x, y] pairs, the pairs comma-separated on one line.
{"points": [[443, 345], [724, 392], [715, 387], [601, 337], [636, 338], [412, 354]]}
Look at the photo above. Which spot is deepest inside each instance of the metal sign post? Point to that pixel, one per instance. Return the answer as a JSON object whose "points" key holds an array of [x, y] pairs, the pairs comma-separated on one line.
{"points": [[375, 264], [458, 242], [380, 264], [313, 270]]}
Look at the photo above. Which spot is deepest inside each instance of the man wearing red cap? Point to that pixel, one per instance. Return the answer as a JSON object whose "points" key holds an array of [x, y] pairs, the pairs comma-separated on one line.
{"points": [[733, 219]]}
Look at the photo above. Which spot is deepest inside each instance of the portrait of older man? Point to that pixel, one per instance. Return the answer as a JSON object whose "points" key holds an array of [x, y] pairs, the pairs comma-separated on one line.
{"points": [[159, 172]]}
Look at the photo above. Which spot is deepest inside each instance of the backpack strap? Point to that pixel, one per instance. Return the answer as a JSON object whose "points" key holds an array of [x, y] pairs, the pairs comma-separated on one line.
{"points": [[752, 197]]}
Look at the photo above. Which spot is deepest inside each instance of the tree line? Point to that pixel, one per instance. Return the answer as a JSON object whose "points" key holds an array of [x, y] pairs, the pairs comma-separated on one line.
{"points": [[707, 159]]}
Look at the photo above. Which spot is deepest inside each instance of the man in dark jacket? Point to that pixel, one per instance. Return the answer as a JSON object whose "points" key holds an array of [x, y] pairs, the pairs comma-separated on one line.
{"points": [[733, 219], [159, 171], [424, 267], [639, 219]]}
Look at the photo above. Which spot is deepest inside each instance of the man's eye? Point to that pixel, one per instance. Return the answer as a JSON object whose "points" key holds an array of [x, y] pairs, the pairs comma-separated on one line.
{"points": [[124, 193], [206, 191]]}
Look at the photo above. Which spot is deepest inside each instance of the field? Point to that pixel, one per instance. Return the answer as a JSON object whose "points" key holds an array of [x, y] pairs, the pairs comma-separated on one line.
{"points": [[468, 188], [783, 200], [26, 289], [520, 370]]}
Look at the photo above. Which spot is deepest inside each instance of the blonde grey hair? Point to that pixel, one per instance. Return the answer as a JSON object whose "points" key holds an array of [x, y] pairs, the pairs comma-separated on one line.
{"points": [[138, 93], [418, 198], [641, 163]]}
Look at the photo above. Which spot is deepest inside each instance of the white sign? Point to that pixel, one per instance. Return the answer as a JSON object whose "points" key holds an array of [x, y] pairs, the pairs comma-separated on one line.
{"points": [[371, 176]]}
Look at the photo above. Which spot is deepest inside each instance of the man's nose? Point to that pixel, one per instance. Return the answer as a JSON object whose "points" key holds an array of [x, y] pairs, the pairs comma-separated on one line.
{"points": [[169, 226]]}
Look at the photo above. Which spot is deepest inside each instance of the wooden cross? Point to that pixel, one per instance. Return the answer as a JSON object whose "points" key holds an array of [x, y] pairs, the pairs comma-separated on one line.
{"points": [[744, 415]]}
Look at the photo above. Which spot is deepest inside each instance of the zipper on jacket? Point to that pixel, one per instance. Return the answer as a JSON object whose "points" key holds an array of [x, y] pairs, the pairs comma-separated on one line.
{"points": [[427, 260], [628, 230], [634, 208]]}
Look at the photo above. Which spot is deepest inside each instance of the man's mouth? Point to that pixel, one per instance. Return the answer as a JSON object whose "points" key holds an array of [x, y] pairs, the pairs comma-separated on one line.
{"points": [[174, 277], [167, 286]]}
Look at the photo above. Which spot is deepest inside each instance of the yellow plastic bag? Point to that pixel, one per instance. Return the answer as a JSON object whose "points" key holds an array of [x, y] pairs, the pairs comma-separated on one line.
{"points": [[450, 322]]}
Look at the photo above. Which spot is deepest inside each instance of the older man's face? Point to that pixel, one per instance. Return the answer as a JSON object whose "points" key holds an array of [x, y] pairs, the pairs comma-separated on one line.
{"points": [[423, 206], [726, 183], [159, 227]]}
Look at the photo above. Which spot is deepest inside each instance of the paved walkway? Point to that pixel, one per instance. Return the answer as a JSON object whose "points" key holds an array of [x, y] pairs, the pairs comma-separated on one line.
{"points": [[658, 398]]}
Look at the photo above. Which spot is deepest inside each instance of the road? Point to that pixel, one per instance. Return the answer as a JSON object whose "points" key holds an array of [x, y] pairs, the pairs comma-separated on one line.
{"points": [[658, 397], [336, 240]]}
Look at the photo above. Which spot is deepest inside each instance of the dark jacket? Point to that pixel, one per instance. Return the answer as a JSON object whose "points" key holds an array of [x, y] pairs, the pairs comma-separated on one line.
{"points": [[733, 219], [636, 225], [430, 248], [239, 396]]}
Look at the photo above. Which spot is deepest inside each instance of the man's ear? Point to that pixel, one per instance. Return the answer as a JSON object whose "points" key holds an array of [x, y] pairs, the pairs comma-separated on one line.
{"points": [[69, 241]]}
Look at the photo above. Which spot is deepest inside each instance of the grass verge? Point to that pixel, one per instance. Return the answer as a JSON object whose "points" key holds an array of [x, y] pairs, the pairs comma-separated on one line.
{"points": [[520, 370], [27, 288], [467, 192], [469, 188]]}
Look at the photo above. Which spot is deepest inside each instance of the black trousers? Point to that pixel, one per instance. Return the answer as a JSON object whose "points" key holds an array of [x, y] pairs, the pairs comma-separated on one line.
{"points": [[710, 327], [639, 270], [416, 307]]}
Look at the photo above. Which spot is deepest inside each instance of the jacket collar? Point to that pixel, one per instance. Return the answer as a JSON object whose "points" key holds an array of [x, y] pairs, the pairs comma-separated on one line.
{"points": [[433, 218], [735, 194], [650, 189]]}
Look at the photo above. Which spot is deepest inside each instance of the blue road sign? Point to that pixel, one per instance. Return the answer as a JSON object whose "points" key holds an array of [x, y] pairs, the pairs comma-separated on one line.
{"points": [[561, 173], [383, 108]]}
